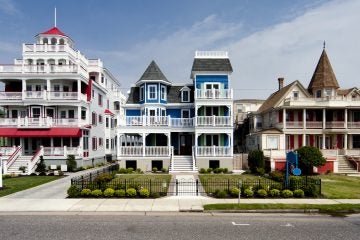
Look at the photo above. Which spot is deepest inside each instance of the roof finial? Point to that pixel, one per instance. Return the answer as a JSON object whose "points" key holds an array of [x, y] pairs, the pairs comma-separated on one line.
{"points": [[324, 44], [55, 17]]}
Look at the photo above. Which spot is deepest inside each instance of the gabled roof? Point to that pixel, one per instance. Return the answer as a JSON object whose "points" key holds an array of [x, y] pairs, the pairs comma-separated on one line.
{"points": [[153, 72], [323, 76], [275, 97], [345, 92], [211, 65], [54, 31]]}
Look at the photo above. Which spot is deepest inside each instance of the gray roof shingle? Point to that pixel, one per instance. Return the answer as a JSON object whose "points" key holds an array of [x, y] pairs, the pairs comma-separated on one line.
{"points": [[212, 65], [153, 72]]}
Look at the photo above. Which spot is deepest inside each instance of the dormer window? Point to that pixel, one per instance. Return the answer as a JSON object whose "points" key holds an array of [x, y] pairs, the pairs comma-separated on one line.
{"points": [[152, 92], [328, 92], [45, 41], [318, 94], [142, 93], [185, 96], [295, 95], [163, 93]]}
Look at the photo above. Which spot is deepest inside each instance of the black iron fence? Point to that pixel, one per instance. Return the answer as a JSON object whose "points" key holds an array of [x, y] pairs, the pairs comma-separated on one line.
{"points": [[112, 169]]}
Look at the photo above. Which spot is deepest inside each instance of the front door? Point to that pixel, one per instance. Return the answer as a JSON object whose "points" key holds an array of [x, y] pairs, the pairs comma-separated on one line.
{"points": [[185, 144]]}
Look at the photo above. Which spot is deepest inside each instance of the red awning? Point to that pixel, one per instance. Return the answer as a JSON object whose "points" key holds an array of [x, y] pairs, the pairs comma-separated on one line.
{"points": [[107, 111], [52, 132]]}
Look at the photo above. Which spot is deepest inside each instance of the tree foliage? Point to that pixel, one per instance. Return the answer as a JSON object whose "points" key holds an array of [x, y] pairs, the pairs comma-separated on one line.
{"points": [[71, 163], [256, 160], [310, 157], [41, 166]]}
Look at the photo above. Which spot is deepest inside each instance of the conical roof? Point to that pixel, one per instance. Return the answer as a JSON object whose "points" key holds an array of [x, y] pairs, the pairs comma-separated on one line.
{"points": [[54, 31], [153, 72], [323, 76]]}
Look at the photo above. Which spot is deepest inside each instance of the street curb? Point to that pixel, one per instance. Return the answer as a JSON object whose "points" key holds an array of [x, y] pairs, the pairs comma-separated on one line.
{"points": [[265, 211]]}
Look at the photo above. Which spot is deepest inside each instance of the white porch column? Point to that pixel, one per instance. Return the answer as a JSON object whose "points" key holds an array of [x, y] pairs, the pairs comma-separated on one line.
{"points": [[23, 81], [48, 89], [143, 150], [345, 141], [304, 139], [323, 141], [304, 119], [284, 118], [346, 118], [324, 118], [78, 89], [79, 116]]}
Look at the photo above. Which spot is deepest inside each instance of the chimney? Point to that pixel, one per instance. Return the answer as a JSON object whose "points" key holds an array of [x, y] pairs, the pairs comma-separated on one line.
{"points": [[281, 82]]}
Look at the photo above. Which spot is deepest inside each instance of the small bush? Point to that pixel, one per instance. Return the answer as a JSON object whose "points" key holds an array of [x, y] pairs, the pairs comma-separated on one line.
{"points": [[6, 176], [298, 193], [234, 191], [248, 193], [155, 195], [96, 193], [122, 171], [42, 174], [109, 192], [287, 193], [131, 192], [225, 170], [202, 170], [221, 194], [144, 193], [86, 192], [103, 178], [81, 168], [33, 174], [274, 193], [139, 171], [129, 170], [71, 163], [154, 169], [51, 174], [256, 160], [164, 170], [209, 170], [261, 193], [216, 170], [41, 166], [73, 191], [277, 176], [310, 191], [260, 171], [61, 173], [120, 193]]}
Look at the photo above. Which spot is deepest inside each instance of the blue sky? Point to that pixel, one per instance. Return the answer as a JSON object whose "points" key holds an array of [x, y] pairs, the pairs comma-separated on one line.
{"points": [[266, 39]]}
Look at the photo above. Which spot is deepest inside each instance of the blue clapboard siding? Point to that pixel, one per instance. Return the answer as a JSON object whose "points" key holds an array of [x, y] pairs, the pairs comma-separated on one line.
{"points": [[201, 79]]}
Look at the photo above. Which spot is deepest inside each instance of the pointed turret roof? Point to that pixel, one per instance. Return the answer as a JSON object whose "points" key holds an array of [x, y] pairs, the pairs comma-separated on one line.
{"points": [[323, 76], [153, 72], [54, 31]]}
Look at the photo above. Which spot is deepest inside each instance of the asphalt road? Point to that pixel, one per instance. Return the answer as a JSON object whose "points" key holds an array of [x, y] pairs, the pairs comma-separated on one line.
{"points": [[180, 226]]}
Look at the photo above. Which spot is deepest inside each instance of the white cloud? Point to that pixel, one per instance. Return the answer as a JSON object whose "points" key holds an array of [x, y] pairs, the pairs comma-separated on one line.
{"points": [[290, 49], [8, 7]]}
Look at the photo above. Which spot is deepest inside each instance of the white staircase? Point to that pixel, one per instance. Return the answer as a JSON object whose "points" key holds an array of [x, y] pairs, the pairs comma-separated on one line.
{"points": [[345, 166], [182, 164], [20, 161]]}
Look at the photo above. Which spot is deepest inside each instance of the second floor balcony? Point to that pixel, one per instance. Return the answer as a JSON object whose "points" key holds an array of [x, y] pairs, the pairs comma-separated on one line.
{"points": [[214, 94], [44, 122], [42, 95]]}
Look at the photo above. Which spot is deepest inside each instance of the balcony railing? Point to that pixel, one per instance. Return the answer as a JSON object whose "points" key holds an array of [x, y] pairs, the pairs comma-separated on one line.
{"points": [[154, 151], [7, 151], [213, 94], [182, 122], [62, 151], [42, 95], [41, 122], [314, 124], [335, 124], [158, 121], [39, 68], [214, 151], [353, 124], [216, 121]]}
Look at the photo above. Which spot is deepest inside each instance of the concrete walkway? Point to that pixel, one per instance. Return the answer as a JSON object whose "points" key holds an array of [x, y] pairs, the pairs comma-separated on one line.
{"points": [[166, 204]]}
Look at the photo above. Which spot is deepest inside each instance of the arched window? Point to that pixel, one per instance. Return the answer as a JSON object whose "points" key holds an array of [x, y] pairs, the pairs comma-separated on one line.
{"points": [[61, 41], [30, 61], [53, 41], [45, 41], [62, 62]]}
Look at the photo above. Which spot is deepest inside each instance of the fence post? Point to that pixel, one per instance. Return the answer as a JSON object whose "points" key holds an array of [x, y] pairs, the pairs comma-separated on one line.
{"points": [[320, 187], [125, 185], [228, 188], [82, 182], [176, 186], [90, 177], [150, 187], [197, 187]]}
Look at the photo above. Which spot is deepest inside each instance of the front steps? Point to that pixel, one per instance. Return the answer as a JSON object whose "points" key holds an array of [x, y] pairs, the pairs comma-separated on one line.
{"points": [[20, 161], [345, 166], [182, 164]]}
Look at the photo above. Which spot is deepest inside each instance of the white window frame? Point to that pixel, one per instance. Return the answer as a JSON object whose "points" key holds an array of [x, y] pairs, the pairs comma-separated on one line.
{"points": [[272, 142], [163, 92], [142, 93], [149, 93], [297, 95], [182, 96], [185, 110]]}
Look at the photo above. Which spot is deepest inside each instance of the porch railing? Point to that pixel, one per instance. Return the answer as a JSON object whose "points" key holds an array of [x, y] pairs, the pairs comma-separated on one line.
{"points": [[145, 151], [214, 121], [35, 159], [182, 122], [41, 122], [158, 121], [12, 158], [213, 151], [335, 124], [42, 95], [62, 151], [314, 124], [7, 151], [353, 124], [213, 94]]}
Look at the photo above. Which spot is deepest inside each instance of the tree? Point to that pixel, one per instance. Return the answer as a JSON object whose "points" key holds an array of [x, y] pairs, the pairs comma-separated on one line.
{"points": [[310, 157], [71, 163], [256, 161], [41, 166]]}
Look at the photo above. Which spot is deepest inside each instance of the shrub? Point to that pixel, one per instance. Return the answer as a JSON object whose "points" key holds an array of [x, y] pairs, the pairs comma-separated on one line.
{"points": [[71, 163], [248, 193], [139, 171], [234, 191], [260, 171], [33, 174], [73, 191], [261, 193], [217, 170], [256, 160], [287, 193], [131, 192], [86, 192], [298, 193], [96, 193], [274, 193], [41, 166], [122, 171], [81, 168], [22, 168], [61, 173], [144, 193], [225, 170], [310, 157], [202, 170], [109, 192], [155, 195], [129, 170], [120, 193], [209, 170], [164, 170], [105, 177], [310, 190], [221, 194], [154, 169], [51, 174], [42, 174], [277, 176]]}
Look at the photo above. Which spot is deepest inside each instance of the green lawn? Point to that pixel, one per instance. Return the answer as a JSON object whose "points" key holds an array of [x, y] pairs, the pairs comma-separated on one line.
{"points": [[145, 177], [232, 177], [337, 186], [16, 184], [323, 208]]}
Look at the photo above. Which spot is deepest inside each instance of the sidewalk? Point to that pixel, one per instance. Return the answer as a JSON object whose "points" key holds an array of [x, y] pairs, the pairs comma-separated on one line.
{"points": [[166, 204]]}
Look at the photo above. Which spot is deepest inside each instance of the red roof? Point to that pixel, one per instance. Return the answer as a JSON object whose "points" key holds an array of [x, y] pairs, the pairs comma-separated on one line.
{"points": [[52, 132], [107, 111], [54, 31]]}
